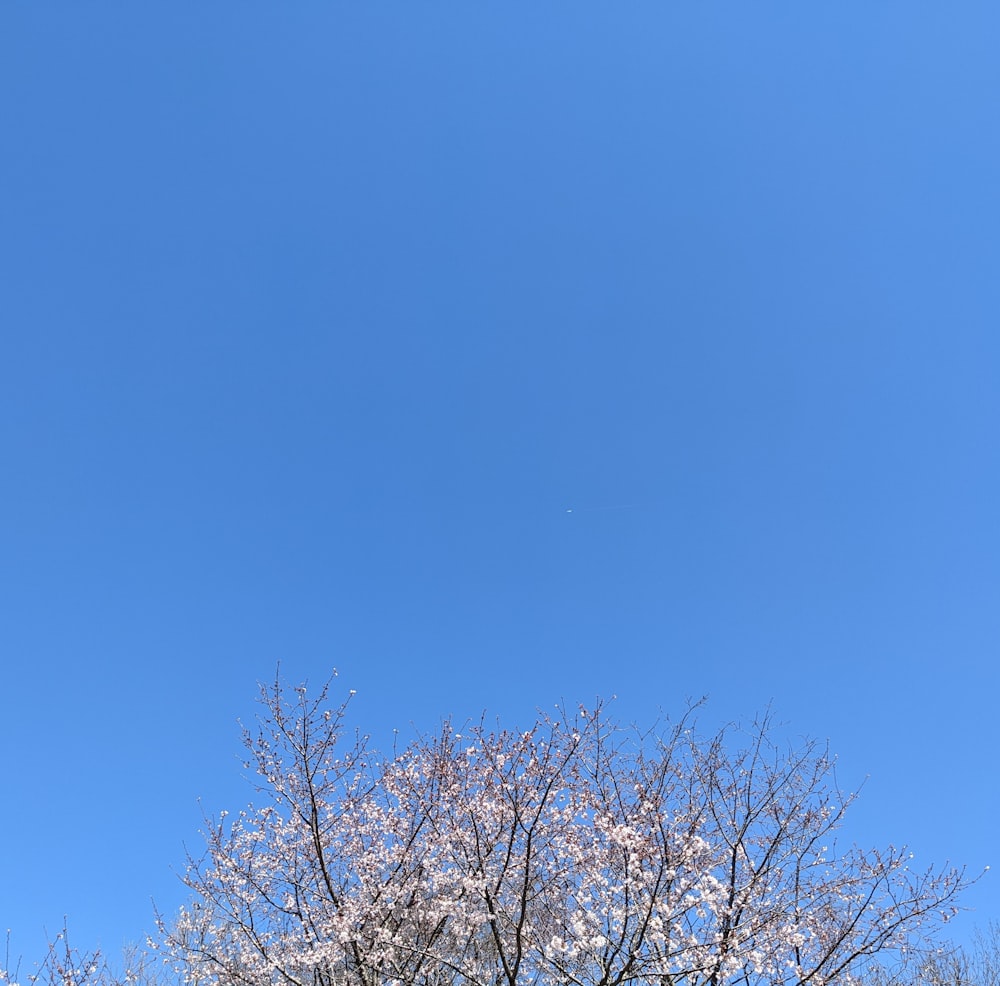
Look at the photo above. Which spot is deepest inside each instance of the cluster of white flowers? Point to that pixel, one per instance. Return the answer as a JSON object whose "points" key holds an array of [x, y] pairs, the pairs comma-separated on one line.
{"points": [[567, 853]]}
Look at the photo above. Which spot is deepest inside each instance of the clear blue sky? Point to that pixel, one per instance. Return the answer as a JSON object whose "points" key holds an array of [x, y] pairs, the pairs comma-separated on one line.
{"points": [[320, 318]]}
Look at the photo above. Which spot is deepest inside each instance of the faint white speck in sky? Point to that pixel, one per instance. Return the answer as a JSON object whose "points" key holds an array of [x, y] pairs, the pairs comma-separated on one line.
{"points": [[590, 510]]}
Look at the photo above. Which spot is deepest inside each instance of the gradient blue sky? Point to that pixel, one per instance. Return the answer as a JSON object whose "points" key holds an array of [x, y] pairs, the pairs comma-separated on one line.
{"points": [[319, 319]]}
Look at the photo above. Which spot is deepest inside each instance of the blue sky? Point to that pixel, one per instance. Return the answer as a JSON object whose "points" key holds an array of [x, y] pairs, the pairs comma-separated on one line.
{"points": [[492, 355]]}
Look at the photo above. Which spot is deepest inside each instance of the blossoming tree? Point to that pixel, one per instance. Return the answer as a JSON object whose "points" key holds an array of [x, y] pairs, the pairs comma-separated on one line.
{"points": [[575, 853]]}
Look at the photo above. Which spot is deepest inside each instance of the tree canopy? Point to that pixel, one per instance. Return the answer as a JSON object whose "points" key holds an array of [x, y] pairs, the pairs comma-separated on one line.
{"points": [[575, 852]]}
